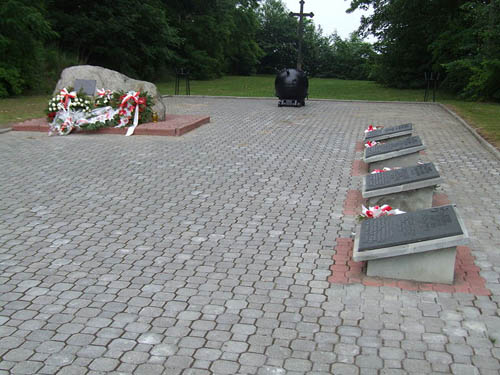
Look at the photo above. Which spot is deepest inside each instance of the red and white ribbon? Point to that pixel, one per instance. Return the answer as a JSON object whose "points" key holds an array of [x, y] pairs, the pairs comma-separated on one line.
{"points": [[104, 93], [134, 97], [369, 144], [66, 97], [371, 128]]}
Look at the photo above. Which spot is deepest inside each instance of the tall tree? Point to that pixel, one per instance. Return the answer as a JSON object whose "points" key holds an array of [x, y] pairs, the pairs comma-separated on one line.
{"points": [[23, 31], [460, 38], [277, 37], [351, 58], [472, 63], [404, 29], [243, 51], [130, 36], [218, 36]]}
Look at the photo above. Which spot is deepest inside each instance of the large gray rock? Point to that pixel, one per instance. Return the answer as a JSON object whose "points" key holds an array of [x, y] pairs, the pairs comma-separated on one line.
{"points": [[110, 80]]}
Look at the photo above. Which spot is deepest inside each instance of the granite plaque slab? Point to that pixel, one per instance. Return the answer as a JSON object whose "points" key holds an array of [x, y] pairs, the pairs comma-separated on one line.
{"points": [[424, 225], [388, 132], [399, 161], [400, 176], [386, 148], [86, 85]]}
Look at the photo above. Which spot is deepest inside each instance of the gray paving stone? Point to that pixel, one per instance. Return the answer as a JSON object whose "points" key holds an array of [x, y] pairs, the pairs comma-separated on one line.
{"points": [[299, 365], [460, 369], [416, 365], [220, 242], [18, 355], [224, 367], [369, 361], [28, 367], [150, 369], [104, 364], [345, 369]]}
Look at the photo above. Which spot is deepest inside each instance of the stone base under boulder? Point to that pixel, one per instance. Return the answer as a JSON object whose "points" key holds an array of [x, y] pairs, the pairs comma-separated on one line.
{"points": [[173, 125]]}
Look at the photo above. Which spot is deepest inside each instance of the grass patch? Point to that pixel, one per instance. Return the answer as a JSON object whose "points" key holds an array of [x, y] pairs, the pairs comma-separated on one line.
{"points": [[22, 108], [319, 88], [482, 116], [254, 86]]}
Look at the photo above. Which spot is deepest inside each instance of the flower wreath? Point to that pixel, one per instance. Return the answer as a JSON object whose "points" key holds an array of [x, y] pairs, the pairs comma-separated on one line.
{"points": [[68, 100], [69, 110]]}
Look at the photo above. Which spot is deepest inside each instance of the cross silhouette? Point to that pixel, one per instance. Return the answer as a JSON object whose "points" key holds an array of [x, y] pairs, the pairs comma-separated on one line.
{"points": [[301, 16]]}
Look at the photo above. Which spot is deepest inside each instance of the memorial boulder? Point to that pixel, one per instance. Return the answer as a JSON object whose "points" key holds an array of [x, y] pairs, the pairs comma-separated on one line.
{"points": [[110, 80]]}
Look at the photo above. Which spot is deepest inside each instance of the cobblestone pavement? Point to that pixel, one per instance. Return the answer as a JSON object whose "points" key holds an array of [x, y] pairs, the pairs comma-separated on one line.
{"points": [[210, 253]]}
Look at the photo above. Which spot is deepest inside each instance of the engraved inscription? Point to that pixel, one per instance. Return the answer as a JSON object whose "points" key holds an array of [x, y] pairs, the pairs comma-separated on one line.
{"points": [[401, 176], [430, 224], [391, 130], [402, 144]]}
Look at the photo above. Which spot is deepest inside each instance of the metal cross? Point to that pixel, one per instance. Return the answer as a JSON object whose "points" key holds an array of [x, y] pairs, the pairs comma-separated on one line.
{"points": [[301, 16]]}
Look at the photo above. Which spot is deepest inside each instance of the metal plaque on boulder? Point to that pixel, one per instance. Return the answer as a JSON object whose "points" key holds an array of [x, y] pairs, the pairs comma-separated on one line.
{"points": [[86, 85], [386, 148], [389, 132], [413, 227], [400, 177]]}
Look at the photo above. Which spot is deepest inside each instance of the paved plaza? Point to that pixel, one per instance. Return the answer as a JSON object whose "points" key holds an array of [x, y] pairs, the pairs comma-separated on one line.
{"points": [[210, 253]]}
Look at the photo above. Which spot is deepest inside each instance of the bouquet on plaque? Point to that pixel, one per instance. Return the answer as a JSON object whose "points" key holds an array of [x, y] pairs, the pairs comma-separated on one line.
{"points": [[369, 144], [378, 211], [385, 169], [372, 128]]}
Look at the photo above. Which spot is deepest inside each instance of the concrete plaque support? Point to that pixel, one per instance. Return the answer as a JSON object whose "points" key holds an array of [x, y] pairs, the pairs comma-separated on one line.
{"points": [[430, 266]]}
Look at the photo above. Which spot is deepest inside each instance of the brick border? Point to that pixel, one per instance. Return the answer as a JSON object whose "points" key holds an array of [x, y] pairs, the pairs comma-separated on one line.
{"points": [[346, 271], [173, 125], [352, 203], [467, 279], [360, 146], [440, 199], [359, 168]]}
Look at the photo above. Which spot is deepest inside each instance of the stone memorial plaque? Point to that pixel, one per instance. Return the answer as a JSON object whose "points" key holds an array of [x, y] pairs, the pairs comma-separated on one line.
{"points": [[433, 223], [401, 176], [86, 85], [387, 132], [385, 148]]}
